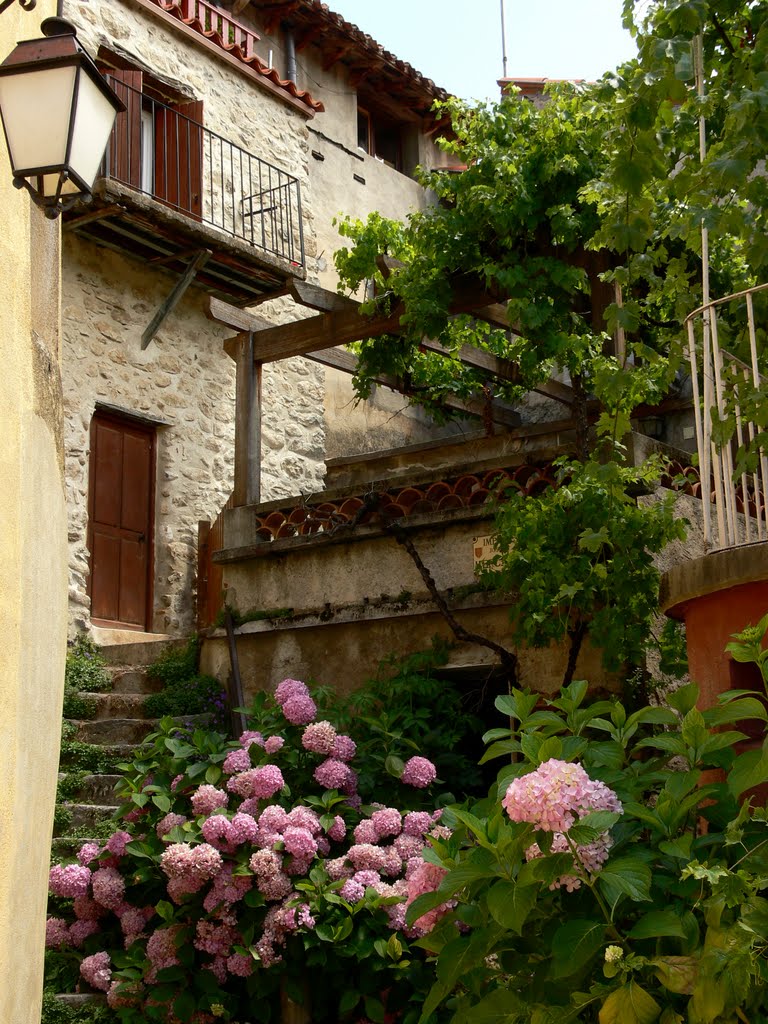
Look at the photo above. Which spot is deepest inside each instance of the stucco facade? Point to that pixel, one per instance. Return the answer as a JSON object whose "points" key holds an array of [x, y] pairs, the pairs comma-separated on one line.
{"points": [[32, 570]]}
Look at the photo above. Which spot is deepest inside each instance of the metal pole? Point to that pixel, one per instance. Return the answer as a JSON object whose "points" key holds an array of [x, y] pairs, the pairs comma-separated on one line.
{"points": [[503, 41]]}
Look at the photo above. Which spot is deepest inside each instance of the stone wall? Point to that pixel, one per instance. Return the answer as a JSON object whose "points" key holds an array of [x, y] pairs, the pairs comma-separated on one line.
{"points": [[185, 383]]}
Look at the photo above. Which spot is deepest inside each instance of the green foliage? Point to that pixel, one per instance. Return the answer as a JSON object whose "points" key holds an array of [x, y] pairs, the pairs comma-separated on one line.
{"points": [[85, 668], [672, 927], [86, 757], [195, 696], [176, 665], [56, 1012], [581, 556]]}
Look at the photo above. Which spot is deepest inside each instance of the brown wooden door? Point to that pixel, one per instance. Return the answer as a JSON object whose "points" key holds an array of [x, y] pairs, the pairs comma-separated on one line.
{"points": [[179, 157], [121, 502]]}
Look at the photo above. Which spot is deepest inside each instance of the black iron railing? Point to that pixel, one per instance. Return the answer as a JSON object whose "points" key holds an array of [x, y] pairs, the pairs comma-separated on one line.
{"points": [[166, 153]]}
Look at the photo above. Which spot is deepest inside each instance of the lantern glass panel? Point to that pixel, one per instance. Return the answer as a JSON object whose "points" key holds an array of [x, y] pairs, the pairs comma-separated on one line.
{"points": [[36, 107], [93, 122]]}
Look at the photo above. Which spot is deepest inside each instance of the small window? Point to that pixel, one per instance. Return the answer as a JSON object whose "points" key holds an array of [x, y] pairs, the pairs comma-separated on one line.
{"points": [[364, 135]]}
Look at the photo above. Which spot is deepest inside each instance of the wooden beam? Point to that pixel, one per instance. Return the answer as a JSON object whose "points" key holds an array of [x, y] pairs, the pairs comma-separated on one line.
{"points": [[247, 485], [225, 313], [92, 215], [314, 297], [478, 359], [347, 362], [175, 296]]}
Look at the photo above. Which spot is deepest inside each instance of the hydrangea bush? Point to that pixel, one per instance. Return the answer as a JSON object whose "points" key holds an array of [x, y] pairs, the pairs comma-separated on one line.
{"points": [[245, 869], [615, 874]]}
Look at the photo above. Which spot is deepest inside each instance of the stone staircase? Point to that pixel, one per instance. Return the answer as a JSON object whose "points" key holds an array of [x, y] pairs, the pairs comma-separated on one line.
{"points": [[118, 726]]}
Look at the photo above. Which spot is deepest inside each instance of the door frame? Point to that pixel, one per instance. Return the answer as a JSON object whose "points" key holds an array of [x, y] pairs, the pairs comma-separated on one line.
{"points": [[148, 427]]}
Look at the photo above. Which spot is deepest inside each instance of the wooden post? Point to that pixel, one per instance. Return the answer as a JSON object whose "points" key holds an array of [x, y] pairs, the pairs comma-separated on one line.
{"points": [[203, 565], [247, 490]]}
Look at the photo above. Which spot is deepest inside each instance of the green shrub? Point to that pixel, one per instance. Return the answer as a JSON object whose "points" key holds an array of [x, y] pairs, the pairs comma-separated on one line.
{"points": [[78, 705], [85, 667], [198, 695], [56, 1012], [174, 666], [86, 757]]}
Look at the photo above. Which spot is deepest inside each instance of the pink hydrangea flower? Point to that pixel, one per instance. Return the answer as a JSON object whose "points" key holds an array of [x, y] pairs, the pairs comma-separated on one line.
{"points": [[79, 931], [161, 947], [216, 830], [208, 799], [108, 887], [319, 738], [265, 863], [261, 783], [273, 818], [388, 822], [338, 868], [240, 965], [366, 832], [352, 891], [338, 829], [87, 853], [97, 971], [87, 909], [290, 688], [408, 846], [117, 843], [344, 748], [69, 881], [273, 744], [243, 829], [300, 710], [56, 932], [169, 822], [236, 761], [249, 737], [426, 878], [332, 774], [303, 817], [419, 772], [556, 795], [299, 842], [365, 857]]}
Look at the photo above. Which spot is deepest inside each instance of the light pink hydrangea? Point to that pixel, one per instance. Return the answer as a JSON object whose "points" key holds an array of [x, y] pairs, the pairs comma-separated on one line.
{"points": [[161, 947], [56, 932], [273, 744], [88, 852], [97, 971], [352, 891], [408, 846], [425, 878], [417, 823], [419, 772], [332, 774], [227, 889], [240, 965], [79, 931], [591, 855], [299, 842], [236, 761], [290, 688], [556, 795], [273, 818], [169, 822], [339, 868], [265, 863], [117, 843], [261, 783], [69, 881], [216, 830], [108, 887], [132, 923], [366, 832], [274, 887], [365, 857], [242, 829], [344, 748], [388, 822], [300, 710], [338, 829], [249, 737], [319, 738], [304, 817], [87, 909], [208, 799]]}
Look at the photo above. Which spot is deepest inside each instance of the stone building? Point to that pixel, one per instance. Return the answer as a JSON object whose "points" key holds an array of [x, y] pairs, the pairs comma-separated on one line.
{"points": [[248, 129]]}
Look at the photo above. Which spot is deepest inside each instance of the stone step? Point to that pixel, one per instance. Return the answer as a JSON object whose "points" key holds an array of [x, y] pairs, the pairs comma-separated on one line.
{"points": [[118, 705], [139, 655], [133, 681], [97, 789], [87, 815], [79, 1000], [124, 732]]}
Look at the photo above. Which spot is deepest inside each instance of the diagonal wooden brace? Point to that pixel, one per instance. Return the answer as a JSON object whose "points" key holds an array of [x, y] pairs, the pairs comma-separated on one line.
{"points": [[174, 298]]}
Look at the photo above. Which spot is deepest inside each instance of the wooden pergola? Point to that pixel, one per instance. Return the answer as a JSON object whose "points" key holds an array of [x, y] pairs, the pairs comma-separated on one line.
{"points": [[337, 322]]}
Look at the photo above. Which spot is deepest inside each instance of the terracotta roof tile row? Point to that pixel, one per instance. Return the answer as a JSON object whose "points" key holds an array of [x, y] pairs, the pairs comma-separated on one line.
{"points": [[239, 42], [467, 491], [687, 480]]}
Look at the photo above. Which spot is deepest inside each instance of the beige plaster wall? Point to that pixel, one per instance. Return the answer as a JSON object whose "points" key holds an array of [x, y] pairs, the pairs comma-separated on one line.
{"points": [[32, 570]]}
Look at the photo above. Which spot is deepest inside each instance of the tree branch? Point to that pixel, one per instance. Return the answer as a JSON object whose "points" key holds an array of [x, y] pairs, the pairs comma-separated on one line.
{"points": [[576, 635]]}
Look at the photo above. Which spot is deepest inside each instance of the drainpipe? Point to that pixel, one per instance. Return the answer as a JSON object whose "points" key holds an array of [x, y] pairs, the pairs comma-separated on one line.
{"points": [[290, 54]]}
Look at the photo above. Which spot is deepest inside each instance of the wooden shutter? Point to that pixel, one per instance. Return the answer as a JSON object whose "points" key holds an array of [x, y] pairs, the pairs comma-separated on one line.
{"points": [[123, 158], [179, 157]]}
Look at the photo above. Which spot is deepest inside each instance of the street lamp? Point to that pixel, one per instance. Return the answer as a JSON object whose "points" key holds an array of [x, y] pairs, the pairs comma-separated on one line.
{"points": [[57, 113]]}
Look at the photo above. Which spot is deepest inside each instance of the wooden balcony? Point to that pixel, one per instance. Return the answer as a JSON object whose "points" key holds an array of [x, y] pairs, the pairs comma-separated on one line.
{"points": [[174, 194]]}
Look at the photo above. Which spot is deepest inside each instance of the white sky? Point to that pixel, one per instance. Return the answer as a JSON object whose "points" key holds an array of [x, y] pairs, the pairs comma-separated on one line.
{"points": [[457, 43]]}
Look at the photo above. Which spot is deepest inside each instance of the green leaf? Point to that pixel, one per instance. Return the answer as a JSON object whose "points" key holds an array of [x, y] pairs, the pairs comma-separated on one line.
{"points": [[501, 1006], [164, 910], [656, 923], [162, 802], [422, 905], [349, 1000], [212, 774], [676, 973], [510, 904], [574, 944], [684, 698], [625, 876], [629, 1004], [184, 1005], [462, 876], [748, 770], [394, 766]]}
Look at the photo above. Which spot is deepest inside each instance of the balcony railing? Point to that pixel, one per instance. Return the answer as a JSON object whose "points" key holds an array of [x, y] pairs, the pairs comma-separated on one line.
{"points": [[165, 152], [739, 504]]}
